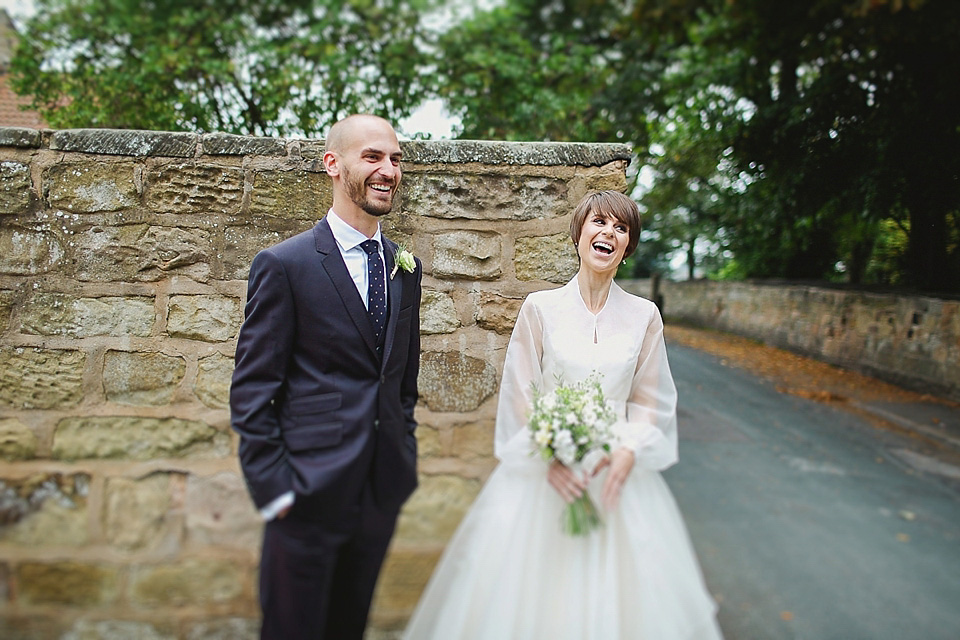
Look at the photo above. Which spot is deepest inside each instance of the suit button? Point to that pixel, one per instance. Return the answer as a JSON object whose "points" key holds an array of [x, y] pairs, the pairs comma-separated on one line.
{"points": [[376, 424], [383, 379]]}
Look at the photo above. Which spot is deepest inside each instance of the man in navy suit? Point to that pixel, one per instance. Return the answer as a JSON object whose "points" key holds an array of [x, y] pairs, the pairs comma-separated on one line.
{"points": [[323, 395]]}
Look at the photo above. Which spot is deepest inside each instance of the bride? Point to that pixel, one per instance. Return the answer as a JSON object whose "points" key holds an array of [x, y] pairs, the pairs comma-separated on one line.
{"points": [[510, 572]]}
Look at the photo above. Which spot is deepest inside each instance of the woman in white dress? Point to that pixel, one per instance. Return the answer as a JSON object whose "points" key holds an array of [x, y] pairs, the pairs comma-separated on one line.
{"points": [[510, 572]]}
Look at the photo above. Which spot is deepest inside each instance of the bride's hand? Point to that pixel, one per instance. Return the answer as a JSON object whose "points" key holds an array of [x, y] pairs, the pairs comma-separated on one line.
{"points": [[568, 484], [620, 463]]}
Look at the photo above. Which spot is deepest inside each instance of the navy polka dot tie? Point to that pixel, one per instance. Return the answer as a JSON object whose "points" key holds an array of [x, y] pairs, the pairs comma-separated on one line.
{"points": [[376, 292]]}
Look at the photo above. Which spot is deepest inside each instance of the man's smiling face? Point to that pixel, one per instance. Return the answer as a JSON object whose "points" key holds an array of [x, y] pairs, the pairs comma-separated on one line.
{"points": [[370, 167]]}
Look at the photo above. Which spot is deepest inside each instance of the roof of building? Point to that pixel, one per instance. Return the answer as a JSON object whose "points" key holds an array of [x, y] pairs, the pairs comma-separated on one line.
{"points": [[11, 115]]}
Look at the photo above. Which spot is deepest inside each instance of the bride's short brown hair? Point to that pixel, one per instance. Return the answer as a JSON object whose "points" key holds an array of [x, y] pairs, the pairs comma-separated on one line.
{"points": [[609, 204]]}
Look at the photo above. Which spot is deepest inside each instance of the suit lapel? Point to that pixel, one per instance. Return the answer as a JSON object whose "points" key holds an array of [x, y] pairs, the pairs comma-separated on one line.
{"points": [[394, 295], [332, 262]]}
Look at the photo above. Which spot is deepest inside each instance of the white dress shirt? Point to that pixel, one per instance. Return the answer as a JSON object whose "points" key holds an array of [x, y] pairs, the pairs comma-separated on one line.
{"points": [[348, 242]]}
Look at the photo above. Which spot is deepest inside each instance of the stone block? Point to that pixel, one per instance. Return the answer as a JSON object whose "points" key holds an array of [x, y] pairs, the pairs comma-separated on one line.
{"points": [[60, 314], [219, 513], [551, 258], [403, 578], [126, 142], [137, 438], [499, 152], [28, 252], [498, 313], [452, 381], [241, 244], [91, 187], [72, 584], [434, 511], [17, 440], [120, 630], [437, 313], [613, 178], [197, 189], [297, 195], [214, 375], [23, 137], [141, 378], [45, 509], [484, 197], [225, 629], [7, 301], [204, 317], [226, 144], [136, 511], [472, 440], [191, 582], [139, 252], [34, 378], [467, 254], [16, 194], [428, 441]]}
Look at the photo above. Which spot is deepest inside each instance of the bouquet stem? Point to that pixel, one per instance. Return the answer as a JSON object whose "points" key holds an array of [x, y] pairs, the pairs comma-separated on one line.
{"points": [[581, 516]]}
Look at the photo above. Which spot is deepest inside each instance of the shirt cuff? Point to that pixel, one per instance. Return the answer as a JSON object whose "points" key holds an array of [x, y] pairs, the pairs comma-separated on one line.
{"points": [[270, 511]]}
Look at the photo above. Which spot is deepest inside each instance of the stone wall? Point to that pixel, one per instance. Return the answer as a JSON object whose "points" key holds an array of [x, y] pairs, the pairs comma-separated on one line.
{"points": [[123, 258], [909, 340]]}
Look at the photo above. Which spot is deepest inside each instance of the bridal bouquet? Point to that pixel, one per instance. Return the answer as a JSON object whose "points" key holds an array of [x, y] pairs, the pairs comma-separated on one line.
{"points": [[572, 424]]}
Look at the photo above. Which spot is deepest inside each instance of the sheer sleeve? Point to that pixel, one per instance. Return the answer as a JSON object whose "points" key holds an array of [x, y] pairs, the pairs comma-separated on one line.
{"points": [[651, 426], [521, 372]]}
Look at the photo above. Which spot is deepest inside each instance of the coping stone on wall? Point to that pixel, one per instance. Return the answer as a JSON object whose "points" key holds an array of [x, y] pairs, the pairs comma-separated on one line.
{"points": [[19, 137], [228, 144], [126, 142], [590, 154]]}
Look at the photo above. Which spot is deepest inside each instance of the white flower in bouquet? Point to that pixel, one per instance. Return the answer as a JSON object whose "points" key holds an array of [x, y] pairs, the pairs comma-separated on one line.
{"points": [[572, 424]]}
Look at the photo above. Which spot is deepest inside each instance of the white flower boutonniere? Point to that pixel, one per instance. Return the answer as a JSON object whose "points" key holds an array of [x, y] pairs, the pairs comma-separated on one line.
{"points": [[403, 259]]}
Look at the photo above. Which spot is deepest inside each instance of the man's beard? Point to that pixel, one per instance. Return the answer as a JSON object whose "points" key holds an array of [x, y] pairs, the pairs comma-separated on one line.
{"points": [[357, 192]]}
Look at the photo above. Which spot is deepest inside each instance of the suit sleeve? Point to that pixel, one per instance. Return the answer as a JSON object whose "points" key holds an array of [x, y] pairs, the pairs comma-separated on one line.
{"points": [[408, 386], [264, 348]]}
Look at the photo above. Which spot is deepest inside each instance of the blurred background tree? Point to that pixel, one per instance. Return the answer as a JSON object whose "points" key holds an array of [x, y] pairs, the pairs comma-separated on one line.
{"points": [[814, 139]]}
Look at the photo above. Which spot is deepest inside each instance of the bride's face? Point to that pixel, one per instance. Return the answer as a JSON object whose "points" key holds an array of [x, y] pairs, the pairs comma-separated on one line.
{"points": [[603, 241]]}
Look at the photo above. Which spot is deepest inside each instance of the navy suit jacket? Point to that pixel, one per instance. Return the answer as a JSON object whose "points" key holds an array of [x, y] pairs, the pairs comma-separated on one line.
{"points": [[320, 408]]}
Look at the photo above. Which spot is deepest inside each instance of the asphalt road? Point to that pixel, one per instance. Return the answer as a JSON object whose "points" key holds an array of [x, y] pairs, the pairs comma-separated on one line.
{"points": [[810, 521]]}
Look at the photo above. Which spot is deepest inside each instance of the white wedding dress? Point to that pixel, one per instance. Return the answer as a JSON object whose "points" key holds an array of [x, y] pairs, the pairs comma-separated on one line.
{"points": [[509, 572]]}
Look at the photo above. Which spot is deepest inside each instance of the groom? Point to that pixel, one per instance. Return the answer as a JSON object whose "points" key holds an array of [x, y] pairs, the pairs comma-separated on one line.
{"points": [[323, 395]]}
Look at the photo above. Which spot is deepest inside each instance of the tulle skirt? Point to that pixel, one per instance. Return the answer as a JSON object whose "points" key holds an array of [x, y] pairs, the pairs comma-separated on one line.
{"points": [[509, 572]]}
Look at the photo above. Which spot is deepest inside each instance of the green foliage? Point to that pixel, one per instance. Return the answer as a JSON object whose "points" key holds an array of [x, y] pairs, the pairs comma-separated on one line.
{"points": [[272, 67]]}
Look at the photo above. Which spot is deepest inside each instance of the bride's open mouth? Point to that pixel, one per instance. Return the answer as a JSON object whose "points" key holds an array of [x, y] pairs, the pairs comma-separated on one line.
{"points": [[603, 247]]}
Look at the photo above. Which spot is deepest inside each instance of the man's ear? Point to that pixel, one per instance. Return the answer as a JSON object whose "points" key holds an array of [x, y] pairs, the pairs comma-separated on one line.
{"points": [[331, 164]]}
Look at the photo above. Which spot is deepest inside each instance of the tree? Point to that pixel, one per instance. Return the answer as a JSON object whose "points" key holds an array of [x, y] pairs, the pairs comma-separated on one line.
{"points": [[269, 67]]}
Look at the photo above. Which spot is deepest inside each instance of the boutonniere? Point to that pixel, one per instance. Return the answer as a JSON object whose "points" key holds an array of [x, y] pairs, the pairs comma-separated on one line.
{"points": [[403, 259]]}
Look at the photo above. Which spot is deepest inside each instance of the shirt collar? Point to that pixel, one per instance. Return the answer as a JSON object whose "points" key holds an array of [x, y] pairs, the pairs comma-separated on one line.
{"points": [[346, 236]]}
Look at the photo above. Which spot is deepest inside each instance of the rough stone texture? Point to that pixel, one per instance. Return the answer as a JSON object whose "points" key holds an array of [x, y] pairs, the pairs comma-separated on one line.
{"points": [[551, 258], [467, 254], [476, 197], [136, 438], [27, 252], [32, 378], [136, 511], [298, 195], [89, 188], [140, 252], [428, 441], [498, 313], [16, 195], [437, 313], [241, 244], [19, 137], [451, 381], [192, 582], [141, 378], [17, 440], [60, 314], [125, 142], [219, 513], [71, 584], [436, 508], [118, 630], [494, 152], [7, 300], [208, 318], [226, 629], [191, 188], [213, 381], [45, 509], [225, 144]]}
